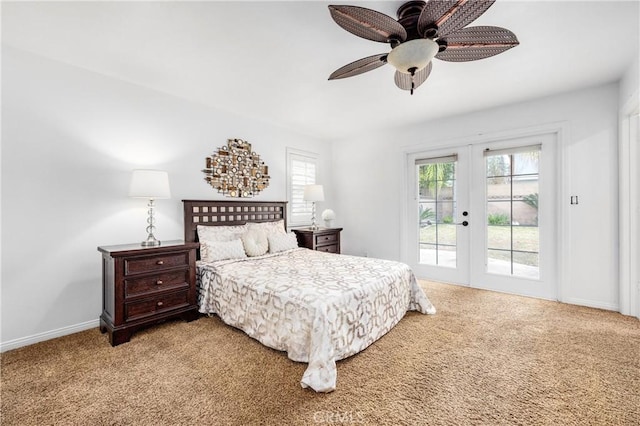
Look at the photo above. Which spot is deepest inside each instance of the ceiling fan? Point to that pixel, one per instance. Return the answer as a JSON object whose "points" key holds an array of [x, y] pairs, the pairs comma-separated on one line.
{"points": [[424, 30]]}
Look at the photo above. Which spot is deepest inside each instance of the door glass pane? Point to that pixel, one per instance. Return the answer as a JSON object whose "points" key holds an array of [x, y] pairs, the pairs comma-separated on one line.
{"points": [[526, 263], [436, 212], [526, 238], [499, 261], [513, 237], [499, 237], [445, 192], [498, 165], [447, 230]]}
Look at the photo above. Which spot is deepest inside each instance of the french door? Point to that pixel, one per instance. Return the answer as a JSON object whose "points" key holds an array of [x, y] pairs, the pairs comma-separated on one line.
{"points": [[483, 215]]}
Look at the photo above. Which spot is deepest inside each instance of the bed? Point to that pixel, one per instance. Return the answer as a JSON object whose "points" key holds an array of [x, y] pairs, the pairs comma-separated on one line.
{"points": [[317, 307]]}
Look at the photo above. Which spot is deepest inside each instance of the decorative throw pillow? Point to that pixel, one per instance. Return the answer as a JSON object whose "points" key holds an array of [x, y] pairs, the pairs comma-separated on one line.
{"points": [[269, 228], [220, 233], [255, 242], [221, 250], [281, 242]]}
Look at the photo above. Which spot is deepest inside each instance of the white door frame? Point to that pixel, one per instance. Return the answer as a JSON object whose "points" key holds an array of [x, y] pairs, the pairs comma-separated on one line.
{"points": [[629, 212], [546, 285], [459, 274], [561, 131]]}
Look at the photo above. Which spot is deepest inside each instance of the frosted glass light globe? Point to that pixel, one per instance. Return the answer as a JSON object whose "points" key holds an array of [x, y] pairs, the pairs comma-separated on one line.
{"points": [[413, 54]]}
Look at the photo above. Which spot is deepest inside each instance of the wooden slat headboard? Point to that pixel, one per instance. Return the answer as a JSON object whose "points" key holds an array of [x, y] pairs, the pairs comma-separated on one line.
{"points": [[224, 212]]}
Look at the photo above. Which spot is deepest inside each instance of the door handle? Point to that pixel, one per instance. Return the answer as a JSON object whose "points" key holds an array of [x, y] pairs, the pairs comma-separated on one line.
{"points": [[464, 222]]}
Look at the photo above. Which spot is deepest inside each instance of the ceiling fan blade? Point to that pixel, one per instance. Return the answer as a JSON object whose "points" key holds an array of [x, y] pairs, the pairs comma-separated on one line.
{"points": [[367, 23], [404, 81], [433, 10], [360, 66], [450, 16], [473, 43]]}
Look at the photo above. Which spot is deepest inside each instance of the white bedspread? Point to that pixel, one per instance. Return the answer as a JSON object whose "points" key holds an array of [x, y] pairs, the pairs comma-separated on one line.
{"points": [[318, 307]]}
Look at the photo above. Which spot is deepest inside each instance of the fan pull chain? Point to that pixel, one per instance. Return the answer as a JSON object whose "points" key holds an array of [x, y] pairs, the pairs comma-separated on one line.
{"points": [[412, 70]]}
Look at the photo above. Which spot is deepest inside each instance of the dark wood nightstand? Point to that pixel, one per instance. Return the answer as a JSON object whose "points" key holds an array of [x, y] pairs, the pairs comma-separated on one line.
{"points": [[146, 285], [322, 239]]}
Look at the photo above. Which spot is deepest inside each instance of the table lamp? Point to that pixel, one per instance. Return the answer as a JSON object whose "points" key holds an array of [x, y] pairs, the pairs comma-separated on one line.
{"points": [[153, 185], [313, 193]]}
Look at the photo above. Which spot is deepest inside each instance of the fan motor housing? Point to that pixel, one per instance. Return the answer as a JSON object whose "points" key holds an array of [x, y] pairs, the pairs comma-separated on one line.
{"points": [[408, 15]]}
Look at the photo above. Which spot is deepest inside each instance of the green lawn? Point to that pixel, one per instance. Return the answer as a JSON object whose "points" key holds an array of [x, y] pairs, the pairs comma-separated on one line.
{"points": [[525, 238]]}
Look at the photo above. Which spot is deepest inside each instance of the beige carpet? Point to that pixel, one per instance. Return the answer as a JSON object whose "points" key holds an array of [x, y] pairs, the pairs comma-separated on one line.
{"points": [[484, 359]]}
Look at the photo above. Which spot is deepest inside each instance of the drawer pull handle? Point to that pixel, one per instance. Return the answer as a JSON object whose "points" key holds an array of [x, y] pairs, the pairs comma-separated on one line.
{"points": [[160, 262], [159, 282], [159, 303]]}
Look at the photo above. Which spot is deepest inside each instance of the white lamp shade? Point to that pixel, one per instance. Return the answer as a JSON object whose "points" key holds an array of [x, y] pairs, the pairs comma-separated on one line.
{"points": [[152, 184], [413, 54], [313, 193]]}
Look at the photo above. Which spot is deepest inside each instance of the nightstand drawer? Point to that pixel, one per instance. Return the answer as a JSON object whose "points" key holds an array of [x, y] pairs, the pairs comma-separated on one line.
{"points": [[331, 248], [139, 265], [159, 304], [326, 238], [156, 283]]}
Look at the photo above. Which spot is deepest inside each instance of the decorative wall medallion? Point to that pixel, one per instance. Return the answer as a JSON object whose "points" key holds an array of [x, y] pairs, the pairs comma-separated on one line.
{"points": [[236, 171]]}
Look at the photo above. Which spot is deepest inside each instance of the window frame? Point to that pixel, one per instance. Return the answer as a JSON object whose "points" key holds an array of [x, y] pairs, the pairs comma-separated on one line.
{"points": [[292, 202]]}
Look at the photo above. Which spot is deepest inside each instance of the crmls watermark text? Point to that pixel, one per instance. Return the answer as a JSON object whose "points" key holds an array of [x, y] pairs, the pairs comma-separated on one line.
{"points": [[338, 417]]}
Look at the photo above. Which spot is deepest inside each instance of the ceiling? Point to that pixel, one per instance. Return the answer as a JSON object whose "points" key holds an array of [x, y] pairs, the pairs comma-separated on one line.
{"points": [[270, 60]]}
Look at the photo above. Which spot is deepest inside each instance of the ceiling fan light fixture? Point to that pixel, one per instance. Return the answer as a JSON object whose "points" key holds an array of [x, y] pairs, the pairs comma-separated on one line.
{"points": [[412, 36], [413, 54]]}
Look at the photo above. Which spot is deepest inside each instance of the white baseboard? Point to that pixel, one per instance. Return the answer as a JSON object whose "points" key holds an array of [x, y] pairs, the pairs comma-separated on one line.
{"points": [[47, 335], [592, 304], [571, 300]]}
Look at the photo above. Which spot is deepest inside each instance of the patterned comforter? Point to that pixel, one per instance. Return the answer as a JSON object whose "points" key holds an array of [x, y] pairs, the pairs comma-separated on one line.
{"points": [[318, 307]]}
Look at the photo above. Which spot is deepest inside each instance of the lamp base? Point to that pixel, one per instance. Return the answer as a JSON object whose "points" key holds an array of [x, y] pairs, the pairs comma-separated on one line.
{"points": [[314, 225], [150, 241]]}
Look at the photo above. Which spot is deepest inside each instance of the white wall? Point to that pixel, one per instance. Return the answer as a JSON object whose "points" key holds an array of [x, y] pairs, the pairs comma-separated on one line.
{"points": [[629, 84], [368, 173], [70, 139]]}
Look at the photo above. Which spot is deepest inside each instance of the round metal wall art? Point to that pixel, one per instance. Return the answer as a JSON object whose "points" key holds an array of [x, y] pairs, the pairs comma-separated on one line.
{"points": [[236, 171]]}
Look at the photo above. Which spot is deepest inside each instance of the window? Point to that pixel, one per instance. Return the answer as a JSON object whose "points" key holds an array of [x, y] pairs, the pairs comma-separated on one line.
{"points": [[513, 236], [301, 170], [437, 241]]}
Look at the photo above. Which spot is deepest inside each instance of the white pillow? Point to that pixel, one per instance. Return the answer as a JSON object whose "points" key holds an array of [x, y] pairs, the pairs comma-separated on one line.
{"points": [[221, 250], [220, 233], [281, 242], [269, 228], [255, 242]]}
